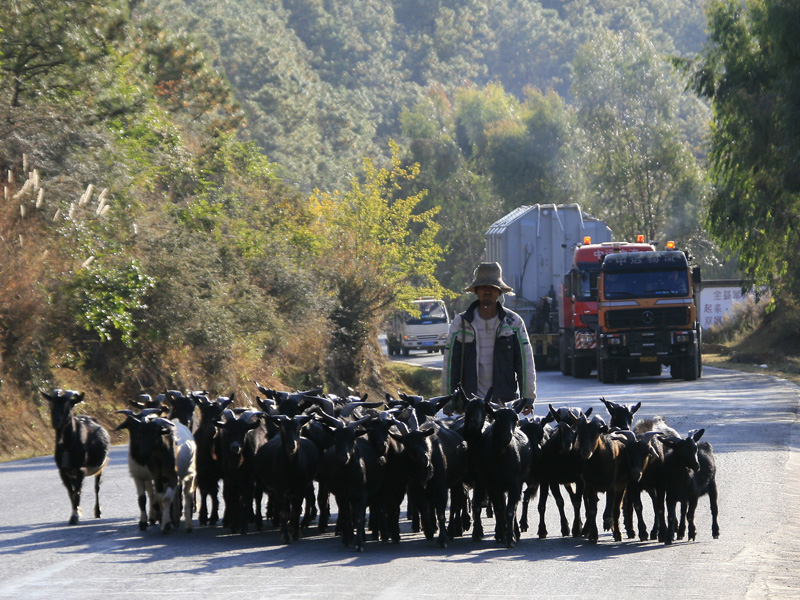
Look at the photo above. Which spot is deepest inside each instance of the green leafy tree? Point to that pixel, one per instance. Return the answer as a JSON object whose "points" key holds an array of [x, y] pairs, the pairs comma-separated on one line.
{"points": [[640, 169], [529, 155], [376, 251], [750, 71], [52, 51]]}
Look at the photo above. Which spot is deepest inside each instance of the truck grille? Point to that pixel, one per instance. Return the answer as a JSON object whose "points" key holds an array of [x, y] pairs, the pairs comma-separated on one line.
{"points": [[647, 318]]}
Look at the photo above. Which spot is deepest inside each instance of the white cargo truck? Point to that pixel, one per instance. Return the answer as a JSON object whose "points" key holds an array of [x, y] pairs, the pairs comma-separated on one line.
{"points": [[427, 331]]}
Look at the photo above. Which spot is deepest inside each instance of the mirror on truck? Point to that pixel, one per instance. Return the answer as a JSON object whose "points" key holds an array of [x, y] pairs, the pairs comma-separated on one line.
{"points": [[696, 279]]}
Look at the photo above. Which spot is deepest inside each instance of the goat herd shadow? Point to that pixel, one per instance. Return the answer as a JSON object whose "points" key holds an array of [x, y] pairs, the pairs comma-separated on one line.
{"points": [[212, 549]]}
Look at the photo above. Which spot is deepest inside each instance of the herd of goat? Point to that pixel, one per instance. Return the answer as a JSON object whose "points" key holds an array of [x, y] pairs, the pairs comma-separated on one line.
{"points": [[298, 448]]}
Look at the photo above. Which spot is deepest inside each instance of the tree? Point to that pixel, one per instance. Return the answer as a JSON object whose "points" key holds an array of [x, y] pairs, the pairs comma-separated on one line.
{"points": [[750, 71], [376, 251], [528, 156], [52, 50], [641, 171]]}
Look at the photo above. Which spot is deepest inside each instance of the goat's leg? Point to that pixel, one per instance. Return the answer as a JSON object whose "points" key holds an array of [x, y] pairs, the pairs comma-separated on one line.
{"points": [[590, 502], [141, 495], [543, 487], [659, 531], [344, 520], [526, 498], [576, 497], [166, 506], [73, 480], [311, 507], [636, 502], [608, 511], [682, 524], [512, 533], [359, 522], [202, 515], [616, 509], [562, 514], [188, 503], [690, 518], [672, 521], [457, 507], [440, 509], [97, 510], [478, 495], [712, 497]]}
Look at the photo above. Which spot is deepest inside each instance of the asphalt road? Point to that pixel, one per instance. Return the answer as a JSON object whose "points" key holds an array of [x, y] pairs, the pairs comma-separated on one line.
{"points": [[751, 420]]}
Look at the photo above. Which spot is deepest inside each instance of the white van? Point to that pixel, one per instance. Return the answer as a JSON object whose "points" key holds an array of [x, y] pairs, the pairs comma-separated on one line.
{"points": [[428, 331]]}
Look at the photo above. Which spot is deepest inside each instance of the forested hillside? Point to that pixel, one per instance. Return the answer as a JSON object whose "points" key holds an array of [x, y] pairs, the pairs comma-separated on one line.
{"points": [[198, 193]]}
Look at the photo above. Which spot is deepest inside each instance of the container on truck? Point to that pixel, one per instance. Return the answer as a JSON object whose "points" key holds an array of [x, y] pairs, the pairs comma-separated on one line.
{"points": [[647, 311], [426, 329]]}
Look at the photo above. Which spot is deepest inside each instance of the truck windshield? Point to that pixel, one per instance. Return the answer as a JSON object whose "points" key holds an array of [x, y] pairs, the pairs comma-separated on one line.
{"points": [[645, 284], [430, 312]]}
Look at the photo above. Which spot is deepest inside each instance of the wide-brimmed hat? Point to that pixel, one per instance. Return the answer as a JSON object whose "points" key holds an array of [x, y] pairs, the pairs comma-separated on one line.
{"points": [[489, 273]]}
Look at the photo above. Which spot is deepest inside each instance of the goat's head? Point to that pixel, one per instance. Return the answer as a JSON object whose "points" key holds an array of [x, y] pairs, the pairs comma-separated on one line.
{"points": [[504, 423], [686, 448], [61, 404], [418, 448], [232, 433], [621, 414], [588, 435]]}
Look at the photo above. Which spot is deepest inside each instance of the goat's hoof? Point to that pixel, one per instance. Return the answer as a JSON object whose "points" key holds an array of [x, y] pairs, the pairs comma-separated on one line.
{"points": [[73, 520], [142, 526]]}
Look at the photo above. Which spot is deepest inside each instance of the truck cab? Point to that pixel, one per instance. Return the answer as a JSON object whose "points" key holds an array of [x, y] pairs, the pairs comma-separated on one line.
{"points": [[426, 331], [578, 317], [647, 316]]}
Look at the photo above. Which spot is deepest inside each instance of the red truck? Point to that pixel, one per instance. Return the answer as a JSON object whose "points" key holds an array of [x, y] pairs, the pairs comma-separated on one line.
{"points": [[577, 315]]}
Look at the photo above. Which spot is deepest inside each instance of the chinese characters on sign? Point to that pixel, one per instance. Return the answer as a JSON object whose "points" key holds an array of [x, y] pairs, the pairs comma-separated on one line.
{"points": [[716, 302]]}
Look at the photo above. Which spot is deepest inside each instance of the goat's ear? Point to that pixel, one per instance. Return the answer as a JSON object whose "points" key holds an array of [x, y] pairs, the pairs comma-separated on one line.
{"points": [[636, 407], [428, 432], [670, 441], [78, 398], [552, 412], [698, 434], [48, 396], [589, 412], [396, 436]]}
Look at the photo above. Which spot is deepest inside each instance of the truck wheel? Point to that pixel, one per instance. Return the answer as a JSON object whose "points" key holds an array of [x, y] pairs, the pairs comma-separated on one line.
{"points": [[691, 368], [406, 351], [606, 372], [565, 362], [581, 366], [676, 369]]}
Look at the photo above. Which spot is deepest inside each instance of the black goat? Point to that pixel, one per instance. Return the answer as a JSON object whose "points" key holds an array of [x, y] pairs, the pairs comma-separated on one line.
{"points": [[353, 472], [689, 473], [606, 468], [646, 455], [81, 451], [384, 510], [209, 468], [436, 462], [621, 414], [240, 436], [505, 462], [286, 467]]}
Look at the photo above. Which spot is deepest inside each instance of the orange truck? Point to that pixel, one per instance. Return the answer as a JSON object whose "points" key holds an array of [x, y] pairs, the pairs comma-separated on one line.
{"points": [[647, 315], [577, 314]]}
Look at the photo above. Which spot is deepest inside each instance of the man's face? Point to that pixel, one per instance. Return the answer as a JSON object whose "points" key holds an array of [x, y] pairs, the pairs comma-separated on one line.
{"points": [[487, 294]]}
